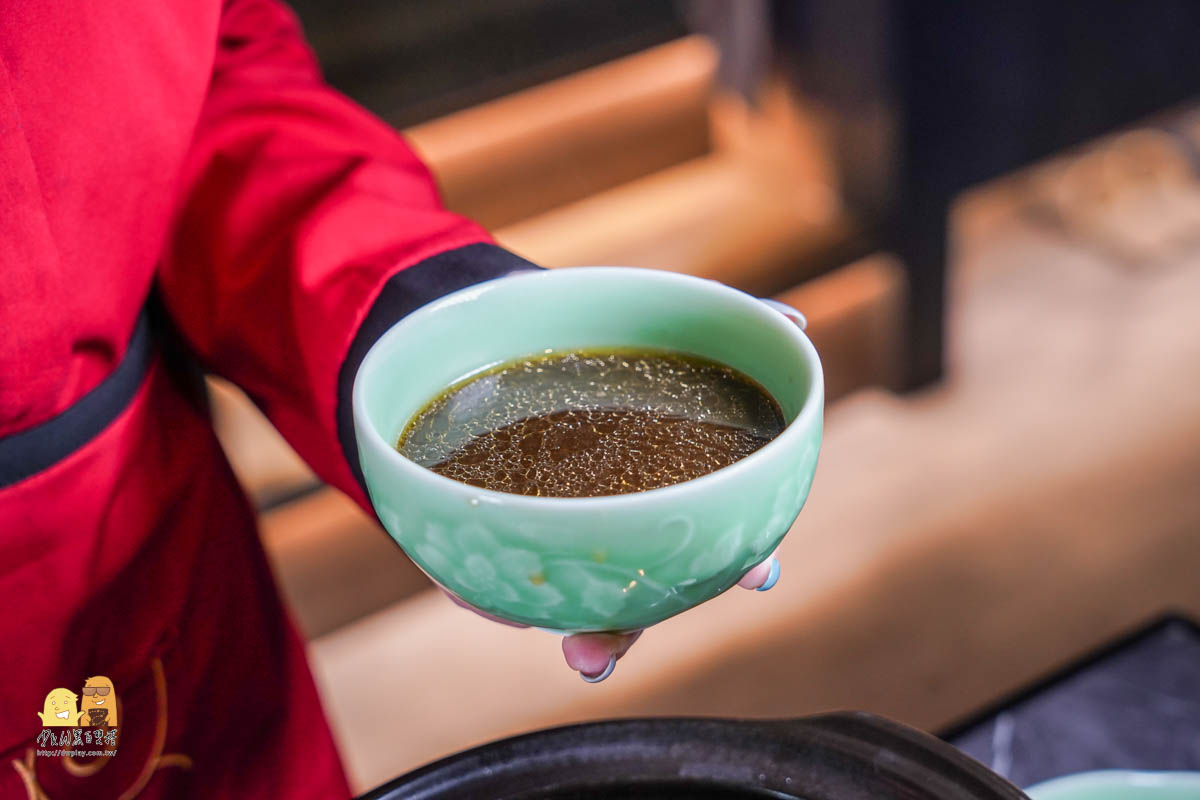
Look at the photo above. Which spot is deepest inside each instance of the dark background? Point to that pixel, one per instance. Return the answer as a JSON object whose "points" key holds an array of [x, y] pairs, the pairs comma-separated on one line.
{"points": [[412, 60]]}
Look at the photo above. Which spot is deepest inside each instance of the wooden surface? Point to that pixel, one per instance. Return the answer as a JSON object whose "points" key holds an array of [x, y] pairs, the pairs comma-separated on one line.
{"points": [[855, 319], [753, 213], [333, 563], [265, 464], [534, 150], [720, 217]]}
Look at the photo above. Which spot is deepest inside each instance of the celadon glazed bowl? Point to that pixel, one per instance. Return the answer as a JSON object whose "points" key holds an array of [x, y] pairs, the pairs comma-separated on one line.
{"points": [[572, 564], [1118, 784]]}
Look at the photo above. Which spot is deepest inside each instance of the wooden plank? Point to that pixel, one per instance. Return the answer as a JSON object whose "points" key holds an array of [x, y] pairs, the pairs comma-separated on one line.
{"points": [[749, 214], [856, 320], [721, 216], [333, 562], [531, 151], [265, 464]]}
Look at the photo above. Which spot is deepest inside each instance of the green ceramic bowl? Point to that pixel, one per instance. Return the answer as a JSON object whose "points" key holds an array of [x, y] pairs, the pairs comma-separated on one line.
{"points": [[597, 563], [1115, 784]]}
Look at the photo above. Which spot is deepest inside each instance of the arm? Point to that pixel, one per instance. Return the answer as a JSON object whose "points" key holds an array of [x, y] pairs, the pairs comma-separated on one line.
{"points": [[304, 228]]}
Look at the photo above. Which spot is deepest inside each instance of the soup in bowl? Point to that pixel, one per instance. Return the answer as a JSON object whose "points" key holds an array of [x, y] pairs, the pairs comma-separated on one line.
{"points": [[610, 562]]}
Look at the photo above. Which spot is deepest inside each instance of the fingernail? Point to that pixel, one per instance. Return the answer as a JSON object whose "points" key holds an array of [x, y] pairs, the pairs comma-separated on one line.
{"points": [[772, 576], [612, 664]]}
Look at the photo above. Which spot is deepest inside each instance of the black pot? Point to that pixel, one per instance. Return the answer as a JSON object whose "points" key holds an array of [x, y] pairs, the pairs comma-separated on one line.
{"points": [[844, 756]]}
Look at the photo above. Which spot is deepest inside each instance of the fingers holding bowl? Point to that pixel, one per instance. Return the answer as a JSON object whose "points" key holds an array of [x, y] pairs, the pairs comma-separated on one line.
{"points": [[595, 655], [762, 577]]}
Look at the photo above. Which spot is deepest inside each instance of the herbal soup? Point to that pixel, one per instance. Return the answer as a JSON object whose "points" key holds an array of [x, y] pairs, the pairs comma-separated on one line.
{"points": [[592, 422]]}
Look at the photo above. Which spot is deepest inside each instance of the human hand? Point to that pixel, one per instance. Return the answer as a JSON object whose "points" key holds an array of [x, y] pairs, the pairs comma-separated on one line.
{"points": [[595, 655]]}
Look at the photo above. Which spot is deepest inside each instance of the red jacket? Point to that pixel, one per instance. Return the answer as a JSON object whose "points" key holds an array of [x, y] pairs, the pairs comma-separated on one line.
{"points": [[181, 156]]}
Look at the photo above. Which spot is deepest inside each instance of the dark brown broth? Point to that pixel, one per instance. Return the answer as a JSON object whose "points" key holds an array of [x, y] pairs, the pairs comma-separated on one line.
{"points": [[594, 422]]}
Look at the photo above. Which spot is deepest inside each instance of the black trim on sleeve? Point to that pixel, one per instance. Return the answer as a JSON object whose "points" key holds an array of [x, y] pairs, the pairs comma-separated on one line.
{"points": [[405, 292]]}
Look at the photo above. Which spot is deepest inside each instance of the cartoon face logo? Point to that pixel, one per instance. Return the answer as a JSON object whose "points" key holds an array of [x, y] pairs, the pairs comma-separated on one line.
{"points": [[99, 703], [59, 709]]}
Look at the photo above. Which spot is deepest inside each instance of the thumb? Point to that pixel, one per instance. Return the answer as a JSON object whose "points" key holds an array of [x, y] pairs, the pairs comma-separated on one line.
{"points": [[591, 654]]}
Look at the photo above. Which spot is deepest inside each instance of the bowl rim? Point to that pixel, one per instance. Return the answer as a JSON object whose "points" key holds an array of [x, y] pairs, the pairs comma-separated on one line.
{"points": [[1147, 778], [794, 431]]}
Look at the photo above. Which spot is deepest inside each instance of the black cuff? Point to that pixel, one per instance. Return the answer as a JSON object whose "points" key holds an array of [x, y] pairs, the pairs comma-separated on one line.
{"points": [[405, 292]]}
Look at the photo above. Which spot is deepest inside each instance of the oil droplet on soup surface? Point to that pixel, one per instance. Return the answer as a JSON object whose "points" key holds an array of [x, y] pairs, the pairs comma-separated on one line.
{"points": [[593, 422]]}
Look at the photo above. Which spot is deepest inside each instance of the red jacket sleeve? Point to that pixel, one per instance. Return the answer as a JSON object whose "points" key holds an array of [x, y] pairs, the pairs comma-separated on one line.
{"points": [[305, 227]]}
